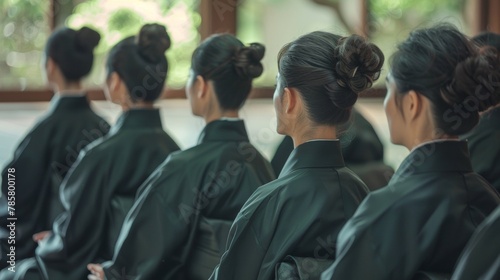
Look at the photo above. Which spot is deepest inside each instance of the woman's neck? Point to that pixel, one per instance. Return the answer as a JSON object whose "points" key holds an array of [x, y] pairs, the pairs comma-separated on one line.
{"points": [[306, 134], [138, 105], [68, 88], [419, 141], [221, 114]]}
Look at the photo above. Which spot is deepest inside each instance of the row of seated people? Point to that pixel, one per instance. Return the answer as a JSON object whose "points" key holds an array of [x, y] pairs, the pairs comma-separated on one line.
{"points": [[123, 202]]}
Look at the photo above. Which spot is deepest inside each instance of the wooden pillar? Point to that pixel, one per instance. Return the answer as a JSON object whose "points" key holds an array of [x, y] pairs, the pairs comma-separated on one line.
{"points": [[52, 14], [364, 23], [493, 16], [218, 16]]}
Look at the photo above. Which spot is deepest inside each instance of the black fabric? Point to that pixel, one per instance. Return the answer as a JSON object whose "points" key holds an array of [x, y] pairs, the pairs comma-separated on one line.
{"points": [[298, 214], [481, 257], [420, 221], [99, 191], [294, 268], [360, 147], [212, 179], [484, 146], [41, 162]]}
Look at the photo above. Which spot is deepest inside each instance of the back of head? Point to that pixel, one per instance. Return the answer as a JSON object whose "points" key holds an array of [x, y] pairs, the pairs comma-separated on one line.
{"points": [[73, 51], [487, 39], [329, 71], [231, 66], [459, 79], [141, 63]]}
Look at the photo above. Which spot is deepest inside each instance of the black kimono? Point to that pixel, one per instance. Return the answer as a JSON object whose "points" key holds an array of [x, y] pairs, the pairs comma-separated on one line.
{"points": [[484, 146], [40, 163], [420, 221], [99, 191], [362, 150], [298, 214], [481, 257], [211, 180]]}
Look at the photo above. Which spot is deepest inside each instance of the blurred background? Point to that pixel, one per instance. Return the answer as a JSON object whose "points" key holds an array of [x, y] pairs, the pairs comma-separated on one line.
{"points": [[26, 24]]}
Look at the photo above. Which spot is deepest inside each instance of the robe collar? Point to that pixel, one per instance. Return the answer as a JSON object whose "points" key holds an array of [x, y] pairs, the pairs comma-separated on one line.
{"points": [[314, 154], [442, 156], [138, 119], [224, 130], [69, 103]]}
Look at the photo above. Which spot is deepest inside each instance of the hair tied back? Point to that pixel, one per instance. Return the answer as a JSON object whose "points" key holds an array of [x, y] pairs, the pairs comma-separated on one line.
{"points": [[247, 60], [153, 41]]}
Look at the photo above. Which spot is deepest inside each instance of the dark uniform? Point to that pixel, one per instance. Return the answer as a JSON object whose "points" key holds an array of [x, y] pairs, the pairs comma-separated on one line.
{"points": [[484, 146], [481, 257], [211, 180], [298, 214], [420, 221], [98, 193], [41, 161]]}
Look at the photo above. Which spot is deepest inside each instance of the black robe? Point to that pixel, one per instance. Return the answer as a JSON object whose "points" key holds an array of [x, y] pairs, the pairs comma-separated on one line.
{"points": [[99, 191], [212, 179], [298, 214], [481, 257], [420, 221], [484, 146], [362, 150], [41, 162]]}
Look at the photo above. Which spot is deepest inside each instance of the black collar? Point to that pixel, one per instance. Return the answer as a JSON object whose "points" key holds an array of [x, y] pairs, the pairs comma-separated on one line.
{"points": [[442, 156], [314, 154], [138, 119], [69, 103], [224, 130]]}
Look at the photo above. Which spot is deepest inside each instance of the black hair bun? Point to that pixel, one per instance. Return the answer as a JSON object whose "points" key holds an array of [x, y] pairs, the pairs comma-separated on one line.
{"points": [[476, 81], [247, 60], [153, 41], [87, 39], [359, 63]]}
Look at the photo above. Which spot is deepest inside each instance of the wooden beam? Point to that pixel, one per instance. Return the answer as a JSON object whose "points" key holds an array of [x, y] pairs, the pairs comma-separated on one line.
{"points": [[218, 16], [44, 95]]}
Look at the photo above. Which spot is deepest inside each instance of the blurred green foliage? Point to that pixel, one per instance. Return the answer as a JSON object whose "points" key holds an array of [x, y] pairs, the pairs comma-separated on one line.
{"points": [[25, 29]]}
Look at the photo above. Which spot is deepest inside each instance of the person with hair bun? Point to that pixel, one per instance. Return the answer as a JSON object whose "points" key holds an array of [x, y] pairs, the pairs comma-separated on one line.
{"points": [[178, 225], [437, 85], [297, 216], [484, 138], [43, 158], [101, 188]]}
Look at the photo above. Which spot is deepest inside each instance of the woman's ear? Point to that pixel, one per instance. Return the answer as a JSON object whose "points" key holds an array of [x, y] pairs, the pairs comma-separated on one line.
{"points": [[413, 104], [290, 100], [50, 68], [201, 87], [114, 82], [117, 89]]}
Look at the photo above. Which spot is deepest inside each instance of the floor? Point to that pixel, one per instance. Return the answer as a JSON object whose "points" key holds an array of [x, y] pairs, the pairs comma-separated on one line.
{"points": [[17, 118]]}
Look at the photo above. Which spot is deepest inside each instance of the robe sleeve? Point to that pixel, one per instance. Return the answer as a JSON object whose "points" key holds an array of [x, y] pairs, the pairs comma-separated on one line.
{"points": [[30, 167], [371, 246], [254, 236], [150, 236], [80, 226], [357, 258]]}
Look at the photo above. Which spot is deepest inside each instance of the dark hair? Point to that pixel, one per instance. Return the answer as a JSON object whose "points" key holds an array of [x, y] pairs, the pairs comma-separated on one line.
{"points": [[230, 65], [444, 66], [329, 71], [141, 63], [73, 51], [487, 39]]}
